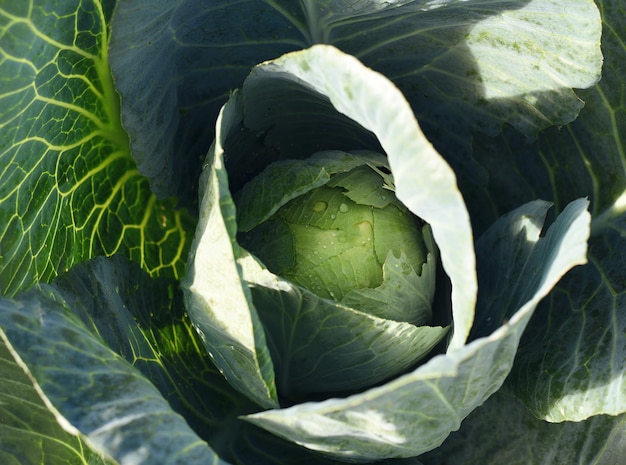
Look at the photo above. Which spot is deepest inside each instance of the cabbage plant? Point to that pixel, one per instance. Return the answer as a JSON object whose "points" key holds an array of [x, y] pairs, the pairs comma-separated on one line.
{"points": [[278, 232]]}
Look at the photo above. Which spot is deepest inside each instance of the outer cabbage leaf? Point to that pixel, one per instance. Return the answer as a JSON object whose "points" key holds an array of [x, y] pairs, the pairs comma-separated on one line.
{"points": [[222, 309], [144, 321], [583, 158], [69, 189], [98, 371], [29, 432], [571, 365], [571, 360], [470, 64], [503, 432]]}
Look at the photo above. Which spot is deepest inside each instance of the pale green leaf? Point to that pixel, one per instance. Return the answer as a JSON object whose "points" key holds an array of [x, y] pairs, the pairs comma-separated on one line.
{"points": [[403, 295], [285, 180], [218, 301]]}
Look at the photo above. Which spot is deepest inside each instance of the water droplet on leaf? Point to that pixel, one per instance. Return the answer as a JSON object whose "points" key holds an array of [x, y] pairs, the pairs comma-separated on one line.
{"points": [[320, 206]]}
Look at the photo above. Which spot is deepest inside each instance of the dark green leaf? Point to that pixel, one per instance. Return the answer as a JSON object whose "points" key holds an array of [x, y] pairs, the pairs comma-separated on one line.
{"points": [[463, 65], [143, 320], [584, 158], [571, 361], [30, 433], [503, 432], [65, 337], [69, 189]]}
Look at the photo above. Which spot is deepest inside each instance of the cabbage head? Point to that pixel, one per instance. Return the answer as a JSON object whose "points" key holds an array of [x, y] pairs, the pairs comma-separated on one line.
{"points": [[333, 274], [353, 244]]}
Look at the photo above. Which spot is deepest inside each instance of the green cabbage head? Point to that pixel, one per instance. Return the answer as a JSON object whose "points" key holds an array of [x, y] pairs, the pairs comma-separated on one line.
{"points": [[352, 247]]}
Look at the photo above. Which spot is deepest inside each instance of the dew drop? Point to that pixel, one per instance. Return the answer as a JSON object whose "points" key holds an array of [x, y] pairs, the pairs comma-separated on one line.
{"points": [[320, 206], [333, 216], [343, 208]]}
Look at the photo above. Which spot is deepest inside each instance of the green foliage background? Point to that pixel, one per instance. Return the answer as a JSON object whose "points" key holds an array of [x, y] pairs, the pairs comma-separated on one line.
{"points": [[70, 191]]}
